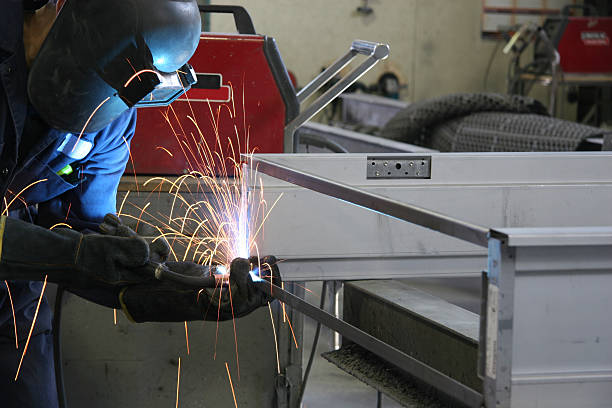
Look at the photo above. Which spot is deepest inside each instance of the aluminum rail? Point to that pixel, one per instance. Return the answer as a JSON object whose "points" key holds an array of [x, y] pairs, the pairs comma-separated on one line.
{"points": [[445, 224], [357, 47], [375, 52], [414, 367]]}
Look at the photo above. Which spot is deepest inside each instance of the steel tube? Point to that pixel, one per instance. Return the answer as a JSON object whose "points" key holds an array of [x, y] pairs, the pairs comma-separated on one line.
{"points": [[444, 224], [325, 76]]}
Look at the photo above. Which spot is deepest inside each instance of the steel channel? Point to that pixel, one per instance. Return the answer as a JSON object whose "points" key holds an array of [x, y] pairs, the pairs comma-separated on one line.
{"points": [[419, 370], [453, 227]]}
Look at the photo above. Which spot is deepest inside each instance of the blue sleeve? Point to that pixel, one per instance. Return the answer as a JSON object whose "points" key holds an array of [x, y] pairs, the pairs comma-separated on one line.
{"points": [[85, 206]]}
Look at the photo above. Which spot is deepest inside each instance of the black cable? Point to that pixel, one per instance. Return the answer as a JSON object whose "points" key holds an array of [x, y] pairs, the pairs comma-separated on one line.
{"points": [[489, 64], [57, 348], [313, 351], [321, 142]]}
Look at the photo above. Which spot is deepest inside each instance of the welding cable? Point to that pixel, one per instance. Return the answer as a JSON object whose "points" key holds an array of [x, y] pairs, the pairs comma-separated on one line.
{"points": [[490, 64], [321, 142], [57, 348], [313, 351]]}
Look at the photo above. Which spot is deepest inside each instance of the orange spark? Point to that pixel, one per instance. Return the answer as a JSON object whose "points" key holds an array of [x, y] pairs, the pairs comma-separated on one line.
{"points": [[165, 150], [141, 214], [275, 339], [231, 385], [291, 328], [187, 338], [115, 316], [60, 224], [132, 66], [136, 75], [131, 160], [68, 212], [217, 330], [235, 335], [7, 206], [122, 203], [283, 304], [178, 381], [12, 310], [25, 349], [89, 120]]}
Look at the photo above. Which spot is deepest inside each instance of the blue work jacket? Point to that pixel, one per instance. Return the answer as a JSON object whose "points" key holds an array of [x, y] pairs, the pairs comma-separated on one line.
{"points": [[30, 152]]}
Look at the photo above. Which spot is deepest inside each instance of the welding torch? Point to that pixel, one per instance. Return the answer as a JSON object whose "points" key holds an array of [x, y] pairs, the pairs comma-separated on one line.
{"points": [[213, 275], [209, 277]]}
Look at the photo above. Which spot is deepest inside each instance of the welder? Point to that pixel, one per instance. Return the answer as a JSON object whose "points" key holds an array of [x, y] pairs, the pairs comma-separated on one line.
{"points": [[71, 75]]}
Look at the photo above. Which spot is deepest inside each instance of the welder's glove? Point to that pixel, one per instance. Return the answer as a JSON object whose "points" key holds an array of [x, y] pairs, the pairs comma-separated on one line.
{"points": [[113, 225], [65, 256], [172, 302], [245, 297]]}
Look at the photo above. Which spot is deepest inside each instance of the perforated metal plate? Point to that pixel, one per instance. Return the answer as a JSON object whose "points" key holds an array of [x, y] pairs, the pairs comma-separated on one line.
{"points": [[399, 167]]}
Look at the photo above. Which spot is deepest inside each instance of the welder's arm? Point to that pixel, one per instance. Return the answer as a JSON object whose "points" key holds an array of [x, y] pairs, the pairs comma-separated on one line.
{"points": [[85, 206], [30, 252], [171, 302]]}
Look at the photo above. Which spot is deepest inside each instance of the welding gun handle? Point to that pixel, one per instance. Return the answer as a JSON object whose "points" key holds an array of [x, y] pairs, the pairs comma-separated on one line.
{"points": [[162, 273]]}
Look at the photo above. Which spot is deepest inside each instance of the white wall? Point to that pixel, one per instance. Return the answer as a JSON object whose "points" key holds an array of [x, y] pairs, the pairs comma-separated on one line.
{"points": [[436, 44]]}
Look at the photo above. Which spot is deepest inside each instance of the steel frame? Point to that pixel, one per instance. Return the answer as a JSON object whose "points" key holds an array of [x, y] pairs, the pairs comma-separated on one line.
{"points": [[498, 339]]}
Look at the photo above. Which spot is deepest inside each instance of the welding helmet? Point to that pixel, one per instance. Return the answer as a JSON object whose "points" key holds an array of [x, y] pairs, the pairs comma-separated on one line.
{"points": [[101, 58]]}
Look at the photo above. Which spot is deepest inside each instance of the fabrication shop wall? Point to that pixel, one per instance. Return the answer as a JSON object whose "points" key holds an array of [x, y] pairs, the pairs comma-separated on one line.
{"points": [[436, 45]]}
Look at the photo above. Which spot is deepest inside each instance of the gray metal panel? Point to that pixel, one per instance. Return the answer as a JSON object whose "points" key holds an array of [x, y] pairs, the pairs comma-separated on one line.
{"points": [[562, 395], [335, 240], [550, 308], [435, 310], [562, 353], [423, 217], [565, 236], [534, 168]]}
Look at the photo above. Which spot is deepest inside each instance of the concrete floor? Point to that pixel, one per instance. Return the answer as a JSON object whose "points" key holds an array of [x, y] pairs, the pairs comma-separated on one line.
{"points": [[329, 386]]}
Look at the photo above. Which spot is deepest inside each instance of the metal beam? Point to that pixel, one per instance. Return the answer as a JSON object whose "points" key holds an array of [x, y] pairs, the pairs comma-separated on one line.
{"points": [[445, 224]]}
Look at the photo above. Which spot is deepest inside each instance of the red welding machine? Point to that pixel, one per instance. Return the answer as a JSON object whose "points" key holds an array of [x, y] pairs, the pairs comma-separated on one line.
{"points": [[241, 102], [583, 43]]}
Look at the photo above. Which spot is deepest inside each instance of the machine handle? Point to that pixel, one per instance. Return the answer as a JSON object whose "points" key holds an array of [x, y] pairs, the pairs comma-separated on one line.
{"points": [[565, 11], [374, 53], [377, 50], [243, 21]]}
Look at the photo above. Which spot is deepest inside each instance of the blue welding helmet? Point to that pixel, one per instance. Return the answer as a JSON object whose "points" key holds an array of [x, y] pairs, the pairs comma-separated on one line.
{"points": [[101, 58]]}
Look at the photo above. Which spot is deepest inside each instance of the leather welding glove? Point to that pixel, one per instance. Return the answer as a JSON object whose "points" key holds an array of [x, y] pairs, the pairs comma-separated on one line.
{"points": [[172, 302], [65, 256], [159, 249]]}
